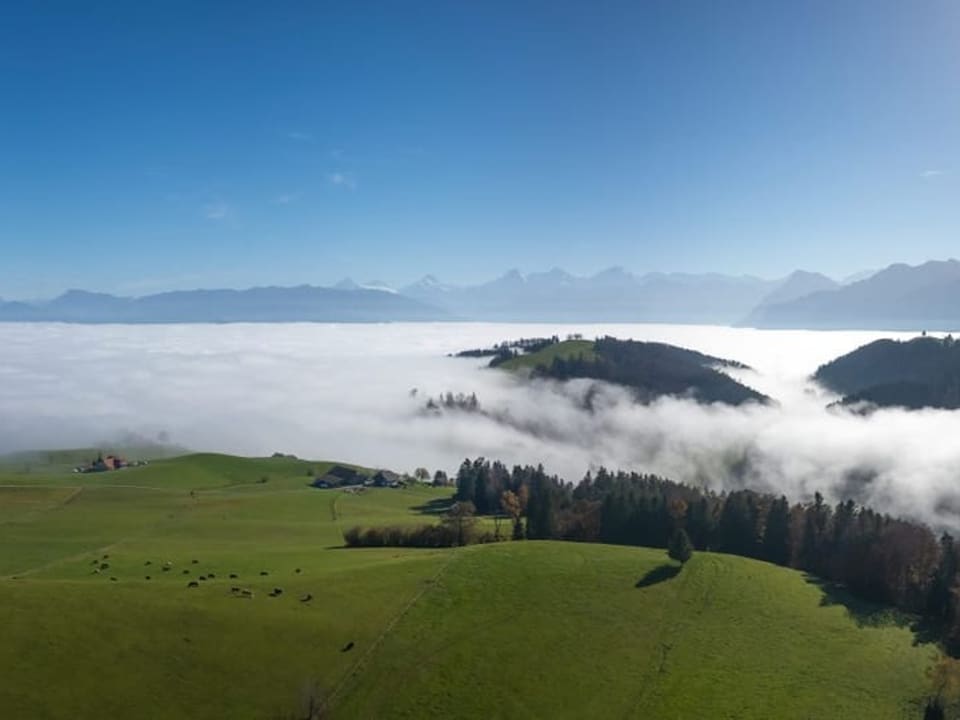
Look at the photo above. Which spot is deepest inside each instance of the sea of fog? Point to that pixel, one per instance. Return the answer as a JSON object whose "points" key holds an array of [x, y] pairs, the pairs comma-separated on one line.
{"points": [[355, 393]]}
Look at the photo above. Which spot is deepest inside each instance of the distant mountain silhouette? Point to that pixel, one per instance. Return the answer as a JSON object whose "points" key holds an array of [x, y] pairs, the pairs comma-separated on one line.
{"points": [[613, 295], [267, 304], [923, 372], [901, 297]]}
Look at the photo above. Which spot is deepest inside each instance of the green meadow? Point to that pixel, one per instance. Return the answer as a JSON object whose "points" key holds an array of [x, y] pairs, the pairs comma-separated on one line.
{"points": [[543, 358], [95, 627]]}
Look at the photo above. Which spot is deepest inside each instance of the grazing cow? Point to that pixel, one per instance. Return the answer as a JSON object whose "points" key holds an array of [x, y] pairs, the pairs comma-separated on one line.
{"points": [[104, 566], [278, 591], [185, 572], [211, 576], [247, 594], [147, 563], [166, 568], [234, 589], [306, 598], [202, 577], [96, 571], [113, 579], [106, 555], [146, 577], [297, 571], [194, 562], [233, 576], [347, 647], [193, 584], [263, 573]]}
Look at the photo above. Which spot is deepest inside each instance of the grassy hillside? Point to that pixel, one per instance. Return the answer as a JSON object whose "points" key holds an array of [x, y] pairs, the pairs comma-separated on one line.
{"points": [[543, 358], [561, 630], [509, 630]]}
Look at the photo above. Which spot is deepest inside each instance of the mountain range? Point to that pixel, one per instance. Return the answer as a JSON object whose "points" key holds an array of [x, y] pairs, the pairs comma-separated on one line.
{"points": [[267, 304], [900, 297], [918, 297]]}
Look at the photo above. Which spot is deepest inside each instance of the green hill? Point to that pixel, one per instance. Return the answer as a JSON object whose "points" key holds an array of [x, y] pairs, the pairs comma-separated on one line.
{"points": [[919, 373], [649, 369], [526, 629]]}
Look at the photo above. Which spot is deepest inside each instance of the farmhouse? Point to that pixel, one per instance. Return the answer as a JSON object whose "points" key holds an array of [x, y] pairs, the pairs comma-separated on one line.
{"points": [[386, 478], [339, 475]]}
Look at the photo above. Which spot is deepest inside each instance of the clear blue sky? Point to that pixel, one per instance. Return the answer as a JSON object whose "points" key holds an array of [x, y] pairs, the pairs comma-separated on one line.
{"points": [[147, 146]]}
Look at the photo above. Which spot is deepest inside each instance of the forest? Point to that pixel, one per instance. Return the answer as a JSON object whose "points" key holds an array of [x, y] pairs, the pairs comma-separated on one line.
{"points": [[919, 373], [877, 557]]}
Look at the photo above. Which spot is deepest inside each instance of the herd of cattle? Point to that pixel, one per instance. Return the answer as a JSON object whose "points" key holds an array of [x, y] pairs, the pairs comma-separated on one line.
{"points": [[102, 565]]}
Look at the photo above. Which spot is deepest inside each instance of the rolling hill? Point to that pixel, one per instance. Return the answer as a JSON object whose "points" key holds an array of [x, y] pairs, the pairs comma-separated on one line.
{"points": [[649, 369], [919, 373], [522, 629]]}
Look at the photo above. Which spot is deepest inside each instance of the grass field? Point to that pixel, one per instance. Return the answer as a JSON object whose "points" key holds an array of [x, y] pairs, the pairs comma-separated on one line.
{"points": [[543, 358], [508, 630]]}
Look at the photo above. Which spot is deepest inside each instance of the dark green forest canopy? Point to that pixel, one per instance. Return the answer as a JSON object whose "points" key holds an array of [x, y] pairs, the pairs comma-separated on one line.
{"points": [[650, 369], [919, 373]]}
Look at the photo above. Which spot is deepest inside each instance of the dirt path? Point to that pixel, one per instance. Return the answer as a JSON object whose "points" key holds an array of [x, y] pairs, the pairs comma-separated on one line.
{"points": [[355, 669]]}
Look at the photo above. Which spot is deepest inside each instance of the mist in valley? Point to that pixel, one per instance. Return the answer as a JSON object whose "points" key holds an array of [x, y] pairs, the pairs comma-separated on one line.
{"points": [[356, 393]]}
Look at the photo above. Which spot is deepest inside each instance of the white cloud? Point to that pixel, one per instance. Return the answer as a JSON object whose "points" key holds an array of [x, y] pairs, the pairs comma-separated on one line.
{"points": [[342, 392], [342, 179], [217, 211], [287, 198], [932, 173]]}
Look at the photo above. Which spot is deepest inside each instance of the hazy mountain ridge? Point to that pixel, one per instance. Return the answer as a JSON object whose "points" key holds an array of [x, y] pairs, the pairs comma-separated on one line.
{"points": [[899, 297], [613, 294], [906, 297], [263, 304]]}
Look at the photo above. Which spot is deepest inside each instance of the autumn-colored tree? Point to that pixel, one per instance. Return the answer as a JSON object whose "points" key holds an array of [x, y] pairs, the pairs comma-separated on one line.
{"points": [[510, 504]]}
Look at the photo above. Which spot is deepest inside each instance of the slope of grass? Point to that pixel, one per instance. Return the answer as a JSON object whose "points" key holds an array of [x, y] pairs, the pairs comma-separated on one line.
{"points": [[561, 630], [543, 358], [507, 630]]}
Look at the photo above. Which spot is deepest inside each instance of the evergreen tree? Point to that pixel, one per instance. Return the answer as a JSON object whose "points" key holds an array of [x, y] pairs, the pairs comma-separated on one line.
{"points": [[776, 535], [680, 548]]}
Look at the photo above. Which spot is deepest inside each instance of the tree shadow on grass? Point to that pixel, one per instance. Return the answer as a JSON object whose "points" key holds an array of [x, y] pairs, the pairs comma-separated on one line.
{"points": [[437, 506], [659, 574], [867, 614]]}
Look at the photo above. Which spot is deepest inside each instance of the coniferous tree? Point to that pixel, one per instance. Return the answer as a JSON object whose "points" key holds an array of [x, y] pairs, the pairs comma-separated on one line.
{"points": [[680, 547], [776, 535]]}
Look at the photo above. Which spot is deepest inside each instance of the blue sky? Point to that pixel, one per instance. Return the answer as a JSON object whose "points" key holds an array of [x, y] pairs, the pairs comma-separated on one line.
{"points": [[149, 146]]}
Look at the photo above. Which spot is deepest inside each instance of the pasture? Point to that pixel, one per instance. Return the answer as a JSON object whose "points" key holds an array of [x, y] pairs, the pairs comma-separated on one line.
{"points": [[99, 620]]}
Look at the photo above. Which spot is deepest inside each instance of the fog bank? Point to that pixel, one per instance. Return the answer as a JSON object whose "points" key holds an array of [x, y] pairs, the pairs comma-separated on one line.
{"points": [[343, 392]]}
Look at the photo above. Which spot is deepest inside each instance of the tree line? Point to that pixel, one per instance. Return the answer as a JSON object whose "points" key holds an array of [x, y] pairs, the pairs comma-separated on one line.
{"points": [[877, 557]]}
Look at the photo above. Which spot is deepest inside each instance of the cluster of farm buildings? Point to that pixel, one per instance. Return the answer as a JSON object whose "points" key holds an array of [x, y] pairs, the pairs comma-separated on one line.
{"points": [[107, 463], [341, 476]]}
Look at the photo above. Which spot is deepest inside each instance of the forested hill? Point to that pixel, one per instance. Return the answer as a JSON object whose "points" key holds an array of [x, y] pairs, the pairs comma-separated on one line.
{"points": [[918, 373], [650, 369]]}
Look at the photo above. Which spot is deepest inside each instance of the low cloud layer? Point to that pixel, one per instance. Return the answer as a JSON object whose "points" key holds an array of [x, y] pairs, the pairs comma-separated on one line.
{"points": [[344, 392]]}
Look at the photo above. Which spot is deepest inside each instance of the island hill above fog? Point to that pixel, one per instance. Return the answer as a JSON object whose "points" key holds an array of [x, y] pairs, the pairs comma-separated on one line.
{"points": [[914, 374], [649, 369]]}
